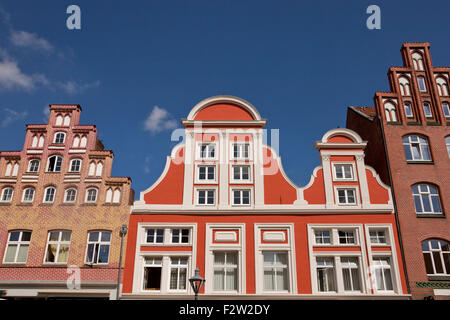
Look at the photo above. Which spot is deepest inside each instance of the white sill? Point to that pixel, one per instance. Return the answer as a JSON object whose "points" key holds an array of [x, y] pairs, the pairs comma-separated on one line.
{"points": [[198, 181], [380, 244]]}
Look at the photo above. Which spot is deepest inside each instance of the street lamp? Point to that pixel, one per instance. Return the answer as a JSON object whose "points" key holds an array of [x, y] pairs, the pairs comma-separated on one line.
{"points": [[196, 282], [122, 233]]}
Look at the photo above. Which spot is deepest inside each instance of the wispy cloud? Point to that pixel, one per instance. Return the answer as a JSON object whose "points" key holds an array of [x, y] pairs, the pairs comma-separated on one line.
{"points": [[73, 87], [159, 120], [11, 77], [147, 165], [11, 116], [30, 40]]}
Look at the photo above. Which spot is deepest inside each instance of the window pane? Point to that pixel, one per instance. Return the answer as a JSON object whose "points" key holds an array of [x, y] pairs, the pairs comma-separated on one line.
{"points": [[14, 236], [355, 278], [152, 278], [93, 236], [219, 275], [11, 253], [63, 253], [281, 279], [426, 203], [418, 204], [428, 263], [26, 235], [103, 254], [54, 235], [51, 253], [173, 278], [182, 280], [437, 262], [269, 280], [388, 279], [446, 257], [160, 235], [407, 150], [219, 258], [65, 236], [106, 236], [22, 254], [436, 204], [230, 279]]}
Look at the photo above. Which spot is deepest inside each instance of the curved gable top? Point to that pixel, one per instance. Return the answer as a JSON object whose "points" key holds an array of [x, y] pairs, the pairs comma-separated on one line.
{"points": [[339, 138], [225, 110]]}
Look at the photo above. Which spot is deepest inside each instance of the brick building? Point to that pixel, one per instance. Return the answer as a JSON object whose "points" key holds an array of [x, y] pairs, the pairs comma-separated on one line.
{"points": [[61, 209], [224, 204], [408, 138]]}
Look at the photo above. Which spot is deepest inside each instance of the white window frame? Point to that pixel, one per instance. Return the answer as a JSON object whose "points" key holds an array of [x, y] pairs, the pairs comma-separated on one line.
{"points": [[71, 164], [56, 136], [46, 190], [100, 243], [225, 267], [152, 265], [198, 189], [334, 273], [199, 145], [58, 242], [440, 251], [66, 192], [87, 195], [347, 187], [421, 145], [429, 196], [377, 243], [408, 106], [241, 153], [446, 109], [206, 181], [55, 164], [3, 195], [241, 189], [351, 164], [323, 243], [348, 266], [180, 230], [427, 106], [374, 276], [345, 230], [19, 243], [155, 236], [38, 165], [178, 266], [420, 82], [241, 181], [24, 192]]}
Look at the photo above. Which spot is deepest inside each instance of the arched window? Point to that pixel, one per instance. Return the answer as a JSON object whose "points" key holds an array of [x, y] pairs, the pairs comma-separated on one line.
{"points": [[66, 120], [7, 194], [442, 86], [91, 195], [54, 164], [92, 168], [447, 144], [33, 165], [70, 195], [59, 120], [34, 142], [59, 138], [417, 61], [41, 141], [436, 254], [28, 195], [8, 169], [427, 110], [116, 198], [83, 142], [49, 194], [99, 170], [76, 141], [390, 112], [15, 169], [109, 194], [421, 82], [404, 86], [75, 165], [408, 110], [416, 148], [426, 198], [98, 247]]}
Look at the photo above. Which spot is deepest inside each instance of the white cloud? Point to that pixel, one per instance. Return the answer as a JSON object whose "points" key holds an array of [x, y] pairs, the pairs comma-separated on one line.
{"points": [[11, 116], [159, 120], [11, 77], [72, 87], [30, 40]]}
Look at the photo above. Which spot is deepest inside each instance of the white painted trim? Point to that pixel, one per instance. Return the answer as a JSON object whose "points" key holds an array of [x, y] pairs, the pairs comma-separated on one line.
{"points": [[352, 135], [206, 181], [207, 188], [351, 163], [35, 151]]}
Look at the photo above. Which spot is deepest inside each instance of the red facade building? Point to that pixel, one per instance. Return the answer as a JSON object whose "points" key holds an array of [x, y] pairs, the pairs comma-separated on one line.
{"points": [[225, 205], [408, 138]]}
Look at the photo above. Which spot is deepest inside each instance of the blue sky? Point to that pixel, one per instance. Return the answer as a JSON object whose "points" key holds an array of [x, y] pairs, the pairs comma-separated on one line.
{"points": [[300, 63]]}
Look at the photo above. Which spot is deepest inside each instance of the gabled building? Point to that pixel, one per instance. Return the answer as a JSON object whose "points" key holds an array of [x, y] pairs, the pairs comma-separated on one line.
{"points": [[60, 212], [408, 138], [224, 204]]}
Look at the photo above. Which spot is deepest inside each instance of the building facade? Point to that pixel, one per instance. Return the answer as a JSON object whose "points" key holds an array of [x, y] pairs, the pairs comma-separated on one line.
{"points": [[408, 138], [61, 212], [224, 204]]}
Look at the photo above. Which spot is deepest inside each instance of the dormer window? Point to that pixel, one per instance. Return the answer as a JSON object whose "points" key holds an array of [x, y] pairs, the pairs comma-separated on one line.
{"points": [[60, 137]]}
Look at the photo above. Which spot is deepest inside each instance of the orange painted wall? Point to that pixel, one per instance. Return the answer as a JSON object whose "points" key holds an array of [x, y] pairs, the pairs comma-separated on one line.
{"points": [[315, 194], [377, 194], [223, 112]]}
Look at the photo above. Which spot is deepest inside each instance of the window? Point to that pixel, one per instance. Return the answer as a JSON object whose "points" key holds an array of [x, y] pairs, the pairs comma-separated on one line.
{"points": [[442, 86], [346, 236], [58, 245], [427, 110], [408, 110], [241, 197], [59, 138], [346, 196], [343, 171], [326, 281], [95, 168], [152, 273], [8, 169], [446, 109], [225, 271], [28, 195], [91, 195], [66, 120], [404, 86], [33, 165], [241, 150], [426, 198], [382, 267], [350, 274], [178, 273], [416, 148], [275, 271], [17, 247], [391, 115], [207, 151], [322, 236], [7, 194], [180, 235], [70, 195], [76, 142], [436, 254], [41, 141], [49, 194], [421, 82], [447, 143], [99, 170], [34, 142], [75, 165], [83, 142], [206, 197], [155, 236], [417, 61], [15, 169], [206, 173], [378, 236], [241, 173], [59, 120], [116, 198], [98, 246], [54, 164]]}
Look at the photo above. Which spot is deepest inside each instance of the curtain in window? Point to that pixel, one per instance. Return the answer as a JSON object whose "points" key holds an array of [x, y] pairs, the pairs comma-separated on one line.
{"points": [[11, 253], [63, 253], [219, 275], [51, 252], [22, 254], [268, 280]]}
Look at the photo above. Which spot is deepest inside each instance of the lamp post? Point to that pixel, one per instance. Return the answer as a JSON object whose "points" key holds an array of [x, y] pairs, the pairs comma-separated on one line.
{"points": [[196, 282], [122, 233]]}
